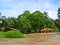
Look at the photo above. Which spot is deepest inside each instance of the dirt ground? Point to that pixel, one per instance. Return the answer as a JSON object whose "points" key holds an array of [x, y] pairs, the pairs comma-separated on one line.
{"points": [[33, 39]]}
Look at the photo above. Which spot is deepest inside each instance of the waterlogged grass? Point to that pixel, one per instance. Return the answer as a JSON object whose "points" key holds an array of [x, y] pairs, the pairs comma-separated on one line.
{"points": [[12, 34]]}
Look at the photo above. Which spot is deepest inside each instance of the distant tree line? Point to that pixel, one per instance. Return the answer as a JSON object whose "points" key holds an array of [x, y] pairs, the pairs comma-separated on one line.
{"points": [[31, 22]]}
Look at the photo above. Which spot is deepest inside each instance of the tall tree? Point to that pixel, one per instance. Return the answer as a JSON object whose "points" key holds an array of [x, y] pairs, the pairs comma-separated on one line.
{"points": [[58, 13], [0, 20], [45, 14], [23, 21]]}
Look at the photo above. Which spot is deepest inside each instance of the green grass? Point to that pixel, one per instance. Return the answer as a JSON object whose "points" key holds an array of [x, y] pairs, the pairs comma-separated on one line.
{"points": [[12, 34]]}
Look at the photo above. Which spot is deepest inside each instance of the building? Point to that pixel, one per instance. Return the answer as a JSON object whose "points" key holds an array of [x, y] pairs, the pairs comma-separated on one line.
{"points": [[47, 30]]}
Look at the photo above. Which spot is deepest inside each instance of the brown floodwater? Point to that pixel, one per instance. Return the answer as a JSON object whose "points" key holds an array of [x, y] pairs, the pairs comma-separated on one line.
{"points": [[33, 39]]}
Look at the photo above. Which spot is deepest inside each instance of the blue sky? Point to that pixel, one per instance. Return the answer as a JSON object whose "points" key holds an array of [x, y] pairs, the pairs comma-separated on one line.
{"points": [[16, 7]]}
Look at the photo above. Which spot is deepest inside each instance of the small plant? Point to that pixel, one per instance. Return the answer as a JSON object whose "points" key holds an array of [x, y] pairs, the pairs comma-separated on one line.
{"points": [[14, 34]]}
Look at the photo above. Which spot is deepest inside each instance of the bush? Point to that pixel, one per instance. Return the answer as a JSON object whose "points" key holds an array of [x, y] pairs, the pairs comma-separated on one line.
{"points": [[14, 34], [2, 34], [56, 29], [0, 29]]}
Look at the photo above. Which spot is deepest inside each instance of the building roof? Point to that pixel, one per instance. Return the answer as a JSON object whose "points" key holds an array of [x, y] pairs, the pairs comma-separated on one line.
{"points": [[46, 29]]}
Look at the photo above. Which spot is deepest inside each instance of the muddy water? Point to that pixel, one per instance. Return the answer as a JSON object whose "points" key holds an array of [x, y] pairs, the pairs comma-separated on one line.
{"points": [[33, 39], [52, 40]]}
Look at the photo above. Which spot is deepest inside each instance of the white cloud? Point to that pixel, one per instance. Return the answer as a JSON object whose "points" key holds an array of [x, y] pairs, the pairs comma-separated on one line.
{"points": [[51, 9], [52, 14], [17, 7]]}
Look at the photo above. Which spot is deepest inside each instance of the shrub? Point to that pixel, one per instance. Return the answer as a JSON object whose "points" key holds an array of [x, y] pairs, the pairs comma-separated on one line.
{"points": [[0, 29], [2, 34], [14, 34]]}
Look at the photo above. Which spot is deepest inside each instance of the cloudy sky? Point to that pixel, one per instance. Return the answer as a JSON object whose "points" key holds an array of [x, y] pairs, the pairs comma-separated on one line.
{"points": [[16, 7]]}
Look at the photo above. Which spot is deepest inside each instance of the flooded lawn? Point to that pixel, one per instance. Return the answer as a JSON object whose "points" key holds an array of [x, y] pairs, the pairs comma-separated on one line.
{"points": [[33, 39]]}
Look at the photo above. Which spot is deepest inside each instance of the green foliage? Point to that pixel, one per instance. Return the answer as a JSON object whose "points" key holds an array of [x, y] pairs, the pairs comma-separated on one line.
{"points": [[45, 14], [14, 34], [58, 13], [31, 22], [57, 24], [2, 34], [0, 29], [24, 21], [57, 29]]}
